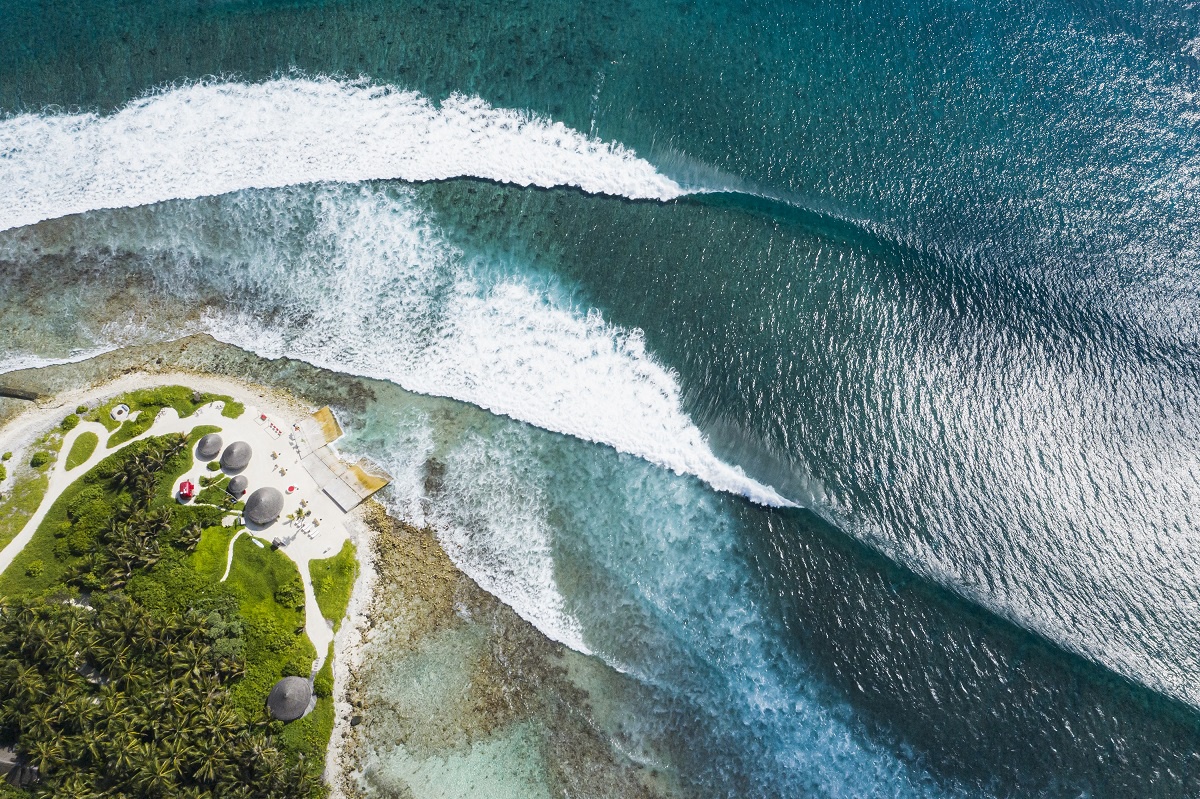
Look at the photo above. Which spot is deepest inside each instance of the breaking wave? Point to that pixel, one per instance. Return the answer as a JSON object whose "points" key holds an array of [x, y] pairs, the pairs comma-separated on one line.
{"points": [[212, 138], [361, 280]]}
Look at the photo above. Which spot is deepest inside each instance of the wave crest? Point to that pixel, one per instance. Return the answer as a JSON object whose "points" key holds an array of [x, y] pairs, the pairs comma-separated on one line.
{"points": [[212, 138]]}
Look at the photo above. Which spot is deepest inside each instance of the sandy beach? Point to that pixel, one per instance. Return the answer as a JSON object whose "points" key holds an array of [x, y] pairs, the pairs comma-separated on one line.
{"points": [[19, 432]]}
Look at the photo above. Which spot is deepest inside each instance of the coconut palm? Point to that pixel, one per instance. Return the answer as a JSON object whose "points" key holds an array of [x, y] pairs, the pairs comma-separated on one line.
{"points": [[156, 775], [209, 764], [125, 754], [46, 754]]}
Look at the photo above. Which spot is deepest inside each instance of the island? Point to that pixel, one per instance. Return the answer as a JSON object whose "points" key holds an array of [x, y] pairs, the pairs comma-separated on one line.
{"points": [[175, 563], [352, 658]]}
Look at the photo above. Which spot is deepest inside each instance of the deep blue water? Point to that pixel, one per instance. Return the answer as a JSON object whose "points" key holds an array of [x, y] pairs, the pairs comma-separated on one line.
{"points": [[933, 278]]}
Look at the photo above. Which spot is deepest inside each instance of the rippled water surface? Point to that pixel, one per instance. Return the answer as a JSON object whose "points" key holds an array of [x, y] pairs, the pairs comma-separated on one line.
{"points": [[926, 271]]}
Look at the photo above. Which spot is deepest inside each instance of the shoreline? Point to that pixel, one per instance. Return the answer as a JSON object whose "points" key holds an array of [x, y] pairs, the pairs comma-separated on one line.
{"points": [[348, 645], [534, 701]]}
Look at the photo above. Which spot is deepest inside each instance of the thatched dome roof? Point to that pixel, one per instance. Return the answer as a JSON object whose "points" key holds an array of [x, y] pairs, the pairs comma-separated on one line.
{"points": [[290, 698], [237, 486], [264, 505], [236, 456], [208, 447]]}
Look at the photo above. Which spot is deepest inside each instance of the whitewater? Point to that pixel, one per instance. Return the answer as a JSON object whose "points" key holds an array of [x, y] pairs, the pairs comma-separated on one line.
{"points": [[211, 138]]}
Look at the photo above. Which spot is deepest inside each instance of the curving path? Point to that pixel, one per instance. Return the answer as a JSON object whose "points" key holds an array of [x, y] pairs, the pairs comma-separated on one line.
{"points": [[60, 478]]}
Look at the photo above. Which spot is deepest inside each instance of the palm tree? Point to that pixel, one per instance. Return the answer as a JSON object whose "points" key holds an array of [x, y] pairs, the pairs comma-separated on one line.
{"points": [[29, 684], [46, 754], [75, 786], [189, 537], [156, 776], [178, 750], [79, 711], [126, 753], [210, 761]]}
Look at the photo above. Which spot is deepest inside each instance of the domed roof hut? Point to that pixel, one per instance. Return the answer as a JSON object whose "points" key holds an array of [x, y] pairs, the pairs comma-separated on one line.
{"points": [[290, 698], [236, 456], [264, 505], [208, 447], [237, 486]]}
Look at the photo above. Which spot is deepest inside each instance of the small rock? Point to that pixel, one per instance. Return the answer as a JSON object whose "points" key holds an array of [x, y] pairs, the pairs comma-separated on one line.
{"points": [[355, 720]]}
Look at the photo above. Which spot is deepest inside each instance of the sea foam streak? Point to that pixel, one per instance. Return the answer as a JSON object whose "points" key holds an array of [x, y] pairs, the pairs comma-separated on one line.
{"points": [[212, 138]]}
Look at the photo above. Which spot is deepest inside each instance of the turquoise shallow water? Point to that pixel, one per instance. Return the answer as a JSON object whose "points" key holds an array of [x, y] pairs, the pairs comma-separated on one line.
{"points": [[936, 283]]}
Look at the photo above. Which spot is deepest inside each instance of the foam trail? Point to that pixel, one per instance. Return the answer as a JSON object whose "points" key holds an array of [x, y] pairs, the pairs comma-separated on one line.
{"points": [[212, 138]]}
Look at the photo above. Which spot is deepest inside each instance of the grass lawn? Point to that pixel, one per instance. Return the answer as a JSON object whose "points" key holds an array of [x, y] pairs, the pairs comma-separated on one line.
{"points": [[20, 503], [333, 581], [215, 492], [132, 428], [151, 400], [309, 736], [271, 599], [210, 554], [82, 449]]}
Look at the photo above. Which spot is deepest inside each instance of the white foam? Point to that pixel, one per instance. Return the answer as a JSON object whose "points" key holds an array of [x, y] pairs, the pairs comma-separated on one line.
{"points": [[377, 291], [491, 521], [212, 138], [17, 361]]}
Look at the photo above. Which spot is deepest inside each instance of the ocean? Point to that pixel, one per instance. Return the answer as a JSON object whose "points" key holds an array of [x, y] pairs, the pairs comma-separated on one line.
{"points": [[829, 372]]}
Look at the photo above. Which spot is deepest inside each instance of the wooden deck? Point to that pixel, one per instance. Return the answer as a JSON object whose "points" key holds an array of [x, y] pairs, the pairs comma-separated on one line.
{"points": [[347, 484]]}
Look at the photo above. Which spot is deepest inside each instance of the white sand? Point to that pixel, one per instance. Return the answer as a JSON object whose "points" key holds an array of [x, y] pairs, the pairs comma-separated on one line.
{"points": [[348, 650]]}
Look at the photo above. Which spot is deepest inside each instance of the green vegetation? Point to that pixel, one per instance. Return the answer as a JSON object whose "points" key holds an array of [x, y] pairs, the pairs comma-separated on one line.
{"points": [[163, 692], [333, 581], [116, 700], [150, 401], [81, 410], [3, 473], [131, 428], [309, 736], [41, 458], [117, 505], [214, 492], [201, 430], [20, 504], [213, 466], [69, 423], [85, 444], [323, 681], [271, 599], [208, 559]]}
